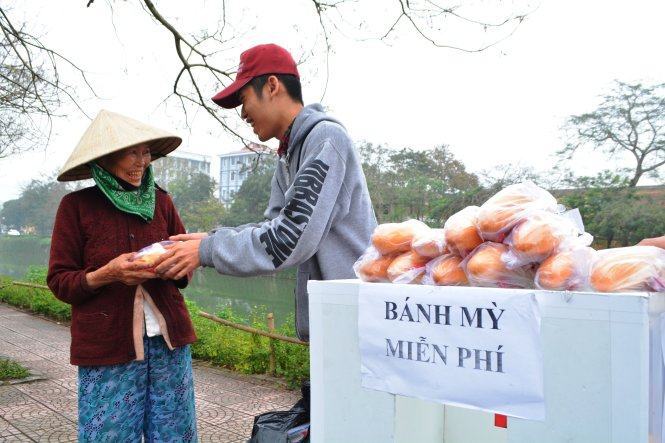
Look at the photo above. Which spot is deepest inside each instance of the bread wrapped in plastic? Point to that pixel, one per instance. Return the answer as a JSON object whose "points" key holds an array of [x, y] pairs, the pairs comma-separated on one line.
{"points": [[461, 233], [635, 268], [151, 253], [407, 268], [390, 238], [485, 267], [498, 215], [540, 235], [446, 270], [430, 243], [372, 266], [567, 270]]}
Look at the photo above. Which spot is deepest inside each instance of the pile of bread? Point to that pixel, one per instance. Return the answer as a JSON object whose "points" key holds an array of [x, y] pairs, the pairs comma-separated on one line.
{"points": [[519, 238]]}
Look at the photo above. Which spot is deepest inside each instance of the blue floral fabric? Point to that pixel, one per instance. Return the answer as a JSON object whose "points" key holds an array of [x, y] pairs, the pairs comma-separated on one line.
{"points": [[153, 398]]}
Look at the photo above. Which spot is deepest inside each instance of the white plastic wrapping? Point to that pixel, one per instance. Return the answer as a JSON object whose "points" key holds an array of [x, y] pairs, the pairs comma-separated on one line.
{"points": [[372, 266], [150, 253], [485, 267], [407, 268], [430, 243], [461, 233], [566, 271], [541, 234], [445, 270], [499, 214], [635, 268], [390, 238]]}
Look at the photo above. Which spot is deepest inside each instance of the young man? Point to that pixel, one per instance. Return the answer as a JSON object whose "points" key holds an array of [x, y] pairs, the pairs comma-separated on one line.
{"points": [[319, 217]]}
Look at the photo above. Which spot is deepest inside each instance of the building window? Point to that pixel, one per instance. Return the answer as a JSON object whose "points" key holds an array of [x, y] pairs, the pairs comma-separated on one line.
{"points": [[233, 175]]}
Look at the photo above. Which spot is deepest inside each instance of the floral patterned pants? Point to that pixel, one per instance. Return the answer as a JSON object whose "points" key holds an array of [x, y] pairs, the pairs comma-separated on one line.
{"points": [[153, 398]]}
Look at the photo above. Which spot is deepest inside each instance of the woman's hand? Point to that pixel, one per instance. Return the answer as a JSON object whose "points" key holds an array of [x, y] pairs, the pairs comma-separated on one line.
{"points": [[120, 269]]}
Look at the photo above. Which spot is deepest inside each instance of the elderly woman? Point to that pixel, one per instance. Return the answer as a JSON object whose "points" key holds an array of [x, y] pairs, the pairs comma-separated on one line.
{"points": [[130, 331]]}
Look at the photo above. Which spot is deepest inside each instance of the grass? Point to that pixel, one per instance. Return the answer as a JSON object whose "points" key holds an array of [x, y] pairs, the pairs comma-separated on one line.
{"points": [[248, 353], [221, 345], [34, 300], [10, 370]]}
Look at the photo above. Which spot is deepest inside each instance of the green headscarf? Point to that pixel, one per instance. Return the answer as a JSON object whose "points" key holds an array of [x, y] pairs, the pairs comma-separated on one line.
{"points": [[140, 202]]}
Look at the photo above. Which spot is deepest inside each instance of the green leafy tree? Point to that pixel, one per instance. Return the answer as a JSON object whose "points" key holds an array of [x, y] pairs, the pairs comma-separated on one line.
{"points": [[193, 196], [628, 219], [191, 189], [35, 208], [12, 214], [629, 121], [376, 161], [414, 184], [203, 216], [614, 212], [251, 200]]}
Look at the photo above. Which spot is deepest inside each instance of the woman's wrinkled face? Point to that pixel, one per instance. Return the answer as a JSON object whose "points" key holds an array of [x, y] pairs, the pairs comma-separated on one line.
{"points": [[128, 164]]}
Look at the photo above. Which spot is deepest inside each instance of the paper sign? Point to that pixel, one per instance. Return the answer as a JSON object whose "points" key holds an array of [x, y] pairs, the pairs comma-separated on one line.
{"points": [[471, 347]]}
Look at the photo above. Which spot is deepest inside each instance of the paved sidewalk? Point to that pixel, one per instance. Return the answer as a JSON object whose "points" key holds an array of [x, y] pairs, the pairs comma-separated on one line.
{"points": [[45, 410]]}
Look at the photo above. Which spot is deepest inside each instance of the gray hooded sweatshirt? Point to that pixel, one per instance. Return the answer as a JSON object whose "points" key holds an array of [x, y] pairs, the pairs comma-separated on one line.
{"points": [[319, 217]]}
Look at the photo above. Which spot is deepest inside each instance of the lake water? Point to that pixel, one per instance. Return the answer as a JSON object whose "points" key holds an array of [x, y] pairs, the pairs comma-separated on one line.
{"points": [[210, 290]]}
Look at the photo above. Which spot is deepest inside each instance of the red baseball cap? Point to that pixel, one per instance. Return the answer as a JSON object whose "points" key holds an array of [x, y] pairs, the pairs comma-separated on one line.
{"points": [[256, 61]]}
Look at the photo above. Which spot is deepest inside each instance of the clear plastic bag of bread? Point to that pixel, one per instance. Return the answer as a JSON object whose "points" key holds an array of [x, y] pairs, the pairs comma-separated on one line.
{"points": [[541, 234], [151, 253], [486, 267], [461, 233], [391, 238], [634, 268], [498, 215], [567, 270], [445, 270], [430, 243], [372, 266], [408, 267]]}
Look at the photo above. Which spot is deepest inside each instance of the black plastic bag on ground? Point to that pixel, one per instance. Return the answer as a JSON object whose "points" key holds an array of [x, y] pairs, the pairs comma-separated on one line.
{"points": [[290, 426], [304, 390]]}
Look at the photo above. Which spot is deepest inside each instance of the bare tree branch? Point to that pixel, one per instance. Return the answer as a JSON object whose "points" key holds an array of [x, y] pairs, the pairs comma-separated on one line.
{"points": [[630, 120], [424, 17], [190, 91], [31, 90]]}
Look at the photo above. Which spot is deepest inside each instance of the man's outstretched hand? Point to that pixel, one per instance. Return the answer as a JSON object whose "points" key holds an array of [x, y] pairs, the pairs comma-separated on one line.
{"points": [[656, 241], [181, 258], [192, 236]]}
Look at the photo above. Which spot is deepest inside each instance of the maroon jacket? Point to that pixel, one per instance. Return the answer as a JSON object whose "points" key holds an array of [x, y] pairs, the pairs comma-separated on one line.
{"points": [[89, 232]]}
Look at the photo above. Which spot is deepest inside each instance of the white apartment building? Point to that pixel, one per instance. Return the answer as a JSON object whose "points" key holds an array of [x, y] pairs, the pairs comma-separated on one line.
{"points": [[234, 168], [178, 164]]}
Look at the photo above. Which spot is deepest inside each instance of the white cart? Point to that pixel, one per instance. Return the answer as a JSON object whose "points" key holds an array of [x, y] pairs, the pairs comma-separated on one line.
{"points": [[603, 375]]}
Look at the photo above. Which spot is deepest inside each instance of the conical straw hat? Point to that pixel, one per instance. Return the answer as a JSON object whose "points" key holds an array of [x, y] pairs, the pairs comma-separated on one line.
{"points": [[110, 132]]}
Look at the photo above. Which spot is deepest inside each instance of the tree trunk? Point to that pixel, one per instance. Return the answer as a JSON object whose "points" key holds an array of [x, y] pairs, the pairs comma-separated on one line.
{"points": [[609, 241], [637, 175]]}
